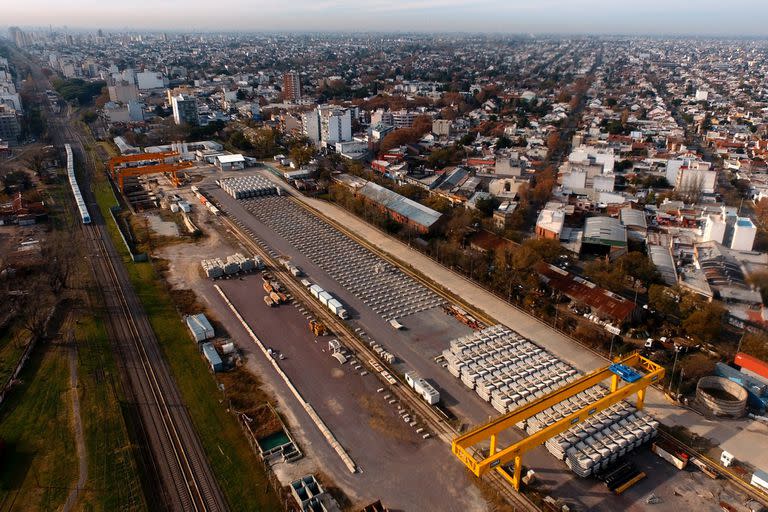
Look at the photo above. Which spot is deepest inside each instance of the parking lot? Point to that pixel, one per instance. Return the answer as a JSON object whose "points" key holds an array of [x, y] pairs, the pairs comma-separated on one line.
{"points": [[382, 287]]}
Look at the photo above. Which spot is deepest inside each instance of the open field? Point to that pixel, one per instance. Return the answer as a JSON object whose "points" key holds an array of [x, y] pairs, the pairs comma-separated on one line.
{"points": [[35, 423]]}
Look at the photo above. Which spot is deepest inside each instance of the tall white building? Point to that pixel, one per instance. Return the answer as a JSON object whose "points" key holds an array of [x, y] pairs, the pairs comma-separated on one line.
{"points": [[328, 124], [335, 124], [687, 175], [311, 122]]}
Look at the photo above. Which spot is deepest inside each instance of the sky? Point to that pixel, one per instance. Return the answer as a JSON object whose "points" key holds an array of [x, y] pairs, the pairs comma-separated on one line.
{"points": [[656, 17]]}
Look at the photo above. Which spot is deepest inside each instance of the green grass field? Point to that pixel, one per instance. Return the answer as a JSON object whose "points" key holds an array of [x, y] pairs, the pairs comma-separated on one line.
{"points": [[239, 472], [39, 463], [113, 478]]}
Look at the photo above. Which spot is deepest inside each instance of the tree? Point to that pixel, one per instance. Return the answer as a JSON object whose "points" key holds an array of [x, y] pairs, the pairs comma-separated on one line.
{"points": [[503, 142], [422, 124], [240, 141], [400, 137], [301, 155], [639, 267], [663, 299], [756, 345], [487, 205], [705, 324]]}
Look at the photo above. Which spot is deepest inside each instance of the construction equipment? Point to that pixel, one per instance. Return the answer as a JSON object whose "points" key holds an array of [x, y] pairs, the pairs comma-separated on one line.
{"points": [[119, 166], [318, 328], [268, 301], [636, 372]]}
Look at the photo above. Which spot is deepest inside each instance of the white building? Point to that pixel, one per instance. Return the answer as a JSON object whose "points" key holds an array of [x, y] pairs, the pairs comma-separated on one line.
{"points": [[150, 80], [688, 175], [586, 155], [714, 228], [311, 126], [702, 95], [328, 124], [744, 232]]}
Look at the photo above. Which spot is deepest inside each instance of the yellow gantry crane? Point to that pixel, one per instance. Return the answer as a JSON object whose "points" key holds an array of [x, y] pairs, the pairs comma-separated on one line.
{"points": [[630, 375]]}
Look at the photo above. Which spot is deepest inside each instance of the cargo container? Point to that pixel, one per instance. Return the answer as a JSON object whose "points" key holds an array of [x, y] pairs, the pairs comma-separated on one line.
{"points": [[760, 480], [324, 297], [213, 358], [668, 453], [752, 366], [200, 327], [315, 290], [423, 388]]}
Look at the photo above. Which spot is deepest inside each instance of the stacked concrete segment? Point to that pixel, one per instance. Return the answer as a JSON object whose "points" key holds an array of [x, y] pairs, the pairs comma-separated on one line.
{"points": [[510, 371], [243, 187]]}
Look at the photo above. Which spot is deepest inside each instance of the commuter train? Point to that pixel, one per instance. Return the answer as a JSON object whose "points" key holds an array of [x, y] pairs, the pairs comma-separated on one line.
{"points": [[84, 215]]}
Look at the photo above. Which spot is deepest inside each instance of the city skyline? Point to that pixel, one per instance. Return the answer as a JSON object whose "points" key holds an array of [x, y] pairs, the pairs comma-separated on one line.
{"points": [[707, 18]]}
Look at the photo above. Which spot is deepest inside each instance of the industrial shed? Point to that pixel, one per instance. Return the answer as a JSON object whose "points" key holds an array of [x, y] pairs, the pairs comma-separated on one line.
{"points": [[230, 162], [604, 235], [402, 209]]}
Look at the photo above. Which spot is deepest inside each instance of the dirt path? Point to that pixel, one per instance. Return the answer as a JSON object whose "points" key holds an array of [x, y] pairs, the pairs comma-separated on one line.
{"points": [[82, 456]]}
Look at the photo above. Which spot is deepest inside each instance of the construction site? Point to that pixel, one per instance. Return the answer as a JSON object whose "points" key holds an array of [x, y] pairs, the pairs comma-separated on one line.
{"points": [[380, 372]]}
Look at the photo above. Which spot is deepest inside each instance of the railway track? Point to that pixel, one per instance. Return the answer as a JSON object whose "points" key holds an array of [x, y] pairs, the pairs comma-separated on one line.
{"points": [[178, 473], [436, 422]]}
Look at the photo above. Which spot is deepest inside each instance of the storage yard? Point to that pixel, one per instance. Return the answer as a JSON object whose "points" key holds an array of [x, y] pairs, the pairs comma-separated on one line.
{"points": [[416, 339], [382, 287]]}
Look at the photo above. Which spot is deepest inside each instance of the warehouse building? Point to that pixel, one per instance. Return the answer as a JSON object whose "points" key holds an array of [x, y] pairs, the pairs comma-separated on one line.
{"points": [[403, 210], [604, 236]]}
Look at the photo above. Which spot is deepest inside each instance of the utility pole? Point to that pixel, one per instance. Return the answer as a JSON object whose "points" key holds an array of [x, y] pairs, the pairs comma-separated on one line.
{"points": [[674, 365]]}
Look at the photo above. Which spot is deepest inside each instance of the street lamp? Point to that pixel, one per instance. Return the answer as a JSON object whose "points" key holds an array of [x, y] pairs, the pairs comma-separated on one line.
{"points": [[674, 365]]}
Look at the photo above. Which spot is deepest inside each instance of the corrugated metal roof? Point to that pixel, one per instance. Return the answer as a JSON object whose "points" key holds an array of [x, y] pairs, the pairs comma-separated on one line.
{"points": [[605, 230], [665, 263], [228, 159], [211, 354], [633, 218], [408, 208]]}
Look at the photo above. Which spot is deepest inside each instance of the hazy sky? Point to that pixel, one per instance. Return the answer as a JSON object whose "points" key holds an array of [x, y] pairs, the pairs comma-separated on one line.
{"points": [[689, 17]]}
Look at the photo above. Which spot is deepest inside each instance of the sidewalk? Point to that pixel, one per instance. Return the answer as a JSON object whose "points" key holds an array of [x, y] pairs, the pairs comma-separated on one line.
{"points": [[740, 437]]}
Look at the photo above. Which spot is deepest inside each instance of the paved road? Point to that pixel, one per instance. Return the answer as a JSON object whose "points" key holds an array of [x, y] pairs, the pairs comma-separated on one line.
{"points": [[737, 437]]}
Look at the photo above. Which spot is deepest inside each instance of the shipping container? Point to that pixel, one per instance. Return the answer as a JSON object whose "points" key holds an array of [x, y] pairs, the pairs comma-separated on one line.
{"points": [[760, 480], [200, 327], [752, 366], [315, 290], [324, 297], [214, 360], [423, 388]]}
